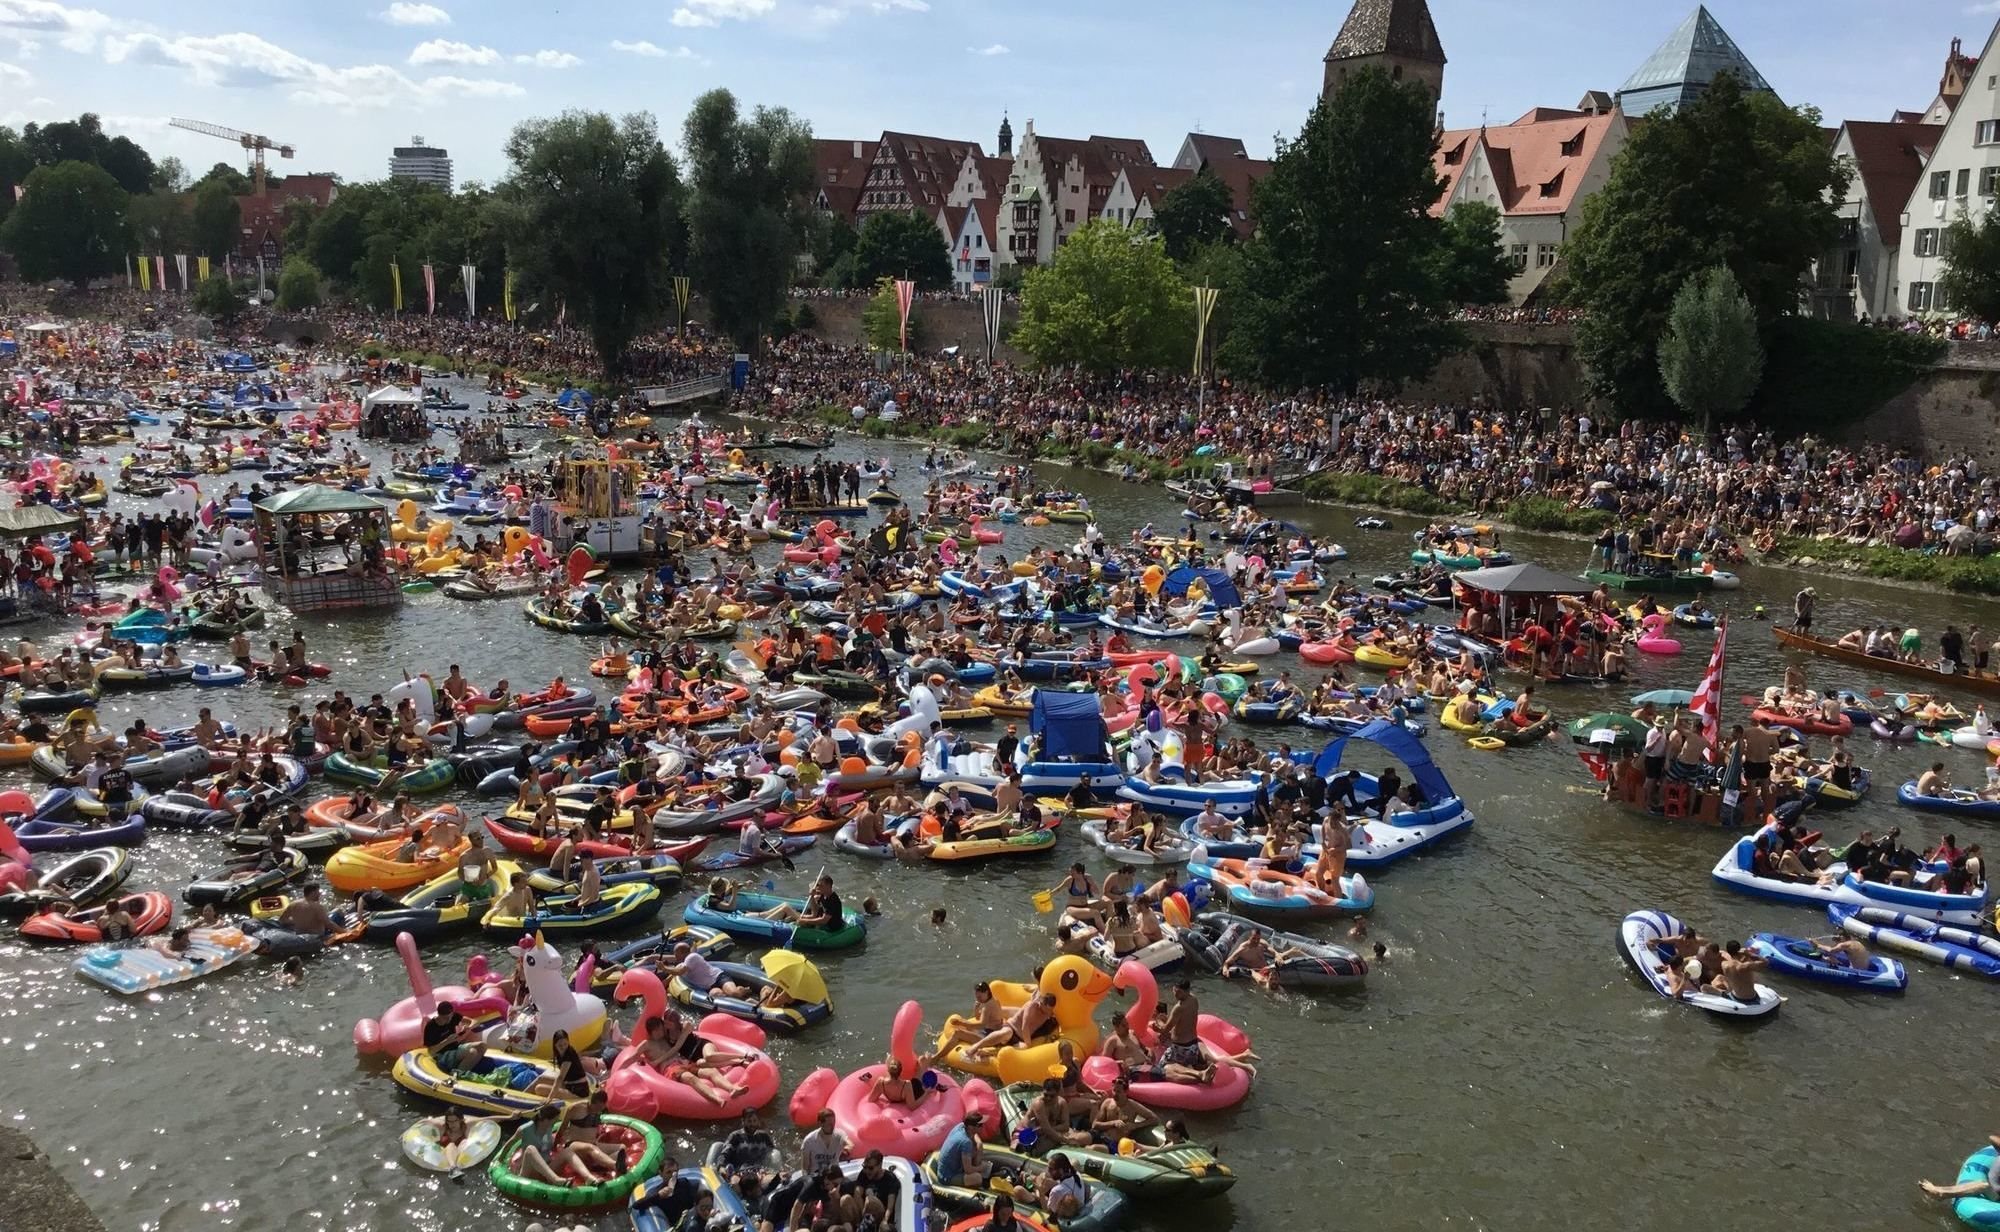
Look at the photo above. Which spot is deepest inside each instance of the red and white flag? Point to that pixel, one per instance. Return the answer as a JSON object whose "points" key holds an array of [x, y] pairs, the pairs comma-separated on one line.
{"points": [[430, 290], [906, 290], [1707, 703]]}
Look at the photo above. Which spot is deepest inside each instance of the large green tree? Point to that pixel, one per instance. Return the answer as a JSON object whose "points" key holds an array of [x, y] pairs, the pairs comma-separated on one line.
{"points": [[229, 177], [1710, 356], [1970, 282], [594, 222], [298, 286], [84, 140], [1736, 179], [1471, 267], [1341, 282], [215, 220], [70, 223], [901, 244], [1111, 299], [159, 223], [219, 299], [748, 180], [1194, 214], [882, 320]]}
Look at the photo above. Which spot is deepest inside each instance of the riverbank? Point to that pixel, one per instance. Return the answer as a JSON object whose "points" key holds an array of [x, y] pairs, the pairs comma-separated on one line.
{"points": [[33, 1194]]}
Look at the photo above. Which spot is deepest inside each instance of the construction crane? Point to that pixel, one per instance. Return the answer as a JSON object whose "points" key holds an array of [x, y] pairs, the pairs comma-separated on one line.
{"points": [[252, 143]]}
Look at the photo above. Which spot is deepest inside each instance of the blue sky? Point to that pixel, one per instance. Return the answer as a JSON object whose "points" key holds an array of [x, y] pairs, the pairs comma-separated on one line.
{"points": [[346, 81]]}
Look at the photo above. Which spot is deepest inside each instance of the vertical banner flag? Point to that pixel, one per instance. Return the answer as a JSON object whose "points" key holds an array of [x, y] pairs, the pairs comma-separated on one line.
{"points": [[990, 299], [181, 267], [228, 267], [507, 294], [1707, 703], [395, 286], [145, 274], [469, 275], [201, 269], [128, 271], [562, 310], [681, 300], [906, 290], [260, 272], [430, 290], [1204, 306], [160, 270]]}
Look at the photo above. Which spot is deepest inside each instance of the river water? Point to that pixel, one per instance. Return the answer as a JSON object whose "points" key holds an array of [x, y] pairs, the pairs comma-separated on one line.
{"points": [[1504, 1069]]}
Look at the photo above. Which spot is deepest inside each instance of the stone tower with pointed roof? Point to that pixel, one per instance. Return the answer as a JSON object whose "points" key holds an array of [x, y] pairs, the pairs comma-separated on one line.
{"points": [[1396, 36], [1682, 68]]}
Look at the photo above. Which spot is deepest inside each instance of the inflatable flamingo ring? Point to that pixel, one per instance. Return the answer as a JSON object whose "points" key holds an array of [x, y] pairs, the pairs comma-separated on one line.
{"points": [[16, 865], [894, 1129], [636, 1089], [1225, 1089], [1653, 641], [401, 1026], [557, 1005]]}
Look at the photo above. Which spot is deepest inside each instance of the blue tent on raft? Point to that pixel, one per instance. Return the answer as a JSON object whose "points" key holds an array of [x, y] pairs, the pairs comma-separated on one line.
{"points": [[1221, 591], [1398, 742], [1071, 726], [575, 400]]}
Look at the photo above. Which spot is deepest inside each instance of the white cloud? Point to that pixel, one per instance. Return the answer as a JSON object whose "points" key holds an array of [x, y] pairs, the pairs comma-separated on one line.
{"points": [[250, 61], [991, 49], [1988, 6], [74, 28], [404, 14], [549, 58], [14, 75], [446, 51], [907, 6], [711, 12], [468, 87], [652, 50]]}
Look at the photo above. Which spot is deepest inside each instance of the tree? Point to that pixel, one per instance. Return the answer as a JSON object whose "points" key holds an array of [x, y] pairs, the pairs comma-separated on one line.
{"points": [[298, 286], [1111, 299], [70, 223], [748, 180], [881, 320], [829, 237], [215, 221], [128, 163], [594, 222], [229, 177], [15, 163], [1341, 281], [1678, 202], [169, 176], [159, 223], [901, 244], [1710, 356], [218, 299], [1970, 282], [1194, 214], [1471, 269], [299, 214]]}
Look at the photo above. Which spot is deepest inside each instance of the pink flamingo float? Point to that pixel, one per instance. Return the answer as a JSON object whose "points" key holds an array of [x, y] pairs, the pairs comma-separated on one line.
{"points": [[1225, 1090], [17, 870], [636, 1089], [895, 1129], [401, 1026]]}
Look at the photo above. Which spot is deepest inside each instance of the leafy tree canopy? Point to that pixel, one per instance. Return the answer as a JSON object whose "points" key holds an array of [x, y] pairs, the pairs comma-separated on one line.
{"points": [[748, 179], [1111, 299]]}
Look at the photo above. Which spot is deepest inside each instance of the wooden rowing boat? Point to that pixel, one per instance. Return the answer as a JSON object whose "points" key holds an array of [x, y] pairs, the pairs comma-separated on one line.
{"points": [[1987, 685]]}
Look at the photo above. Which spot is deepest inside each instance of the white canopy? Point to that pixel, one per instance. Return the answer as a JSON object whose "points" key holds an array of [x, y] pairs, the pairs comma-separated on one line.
{"points": [[391, 395], [46, 327]]}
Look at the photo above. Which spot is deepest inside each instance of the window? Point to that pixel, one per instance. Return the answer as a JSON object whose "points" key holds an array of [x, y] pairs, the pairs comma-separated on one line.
{"points": [[1926, 243], [1921, 296], [1964, 180], [1940, 185], [1517, 256], [1455, 155], [1989, 181], [979, 242], [1987, 133], [1069, 215], [1545, 255], [1573, 147], [1554, 187]]}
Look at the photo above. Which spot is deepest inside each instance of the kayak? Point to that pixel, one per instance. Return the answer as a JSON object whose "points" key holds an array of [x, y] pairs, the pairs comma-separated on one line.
{"points": [[1954, 800], [1800, 957]]}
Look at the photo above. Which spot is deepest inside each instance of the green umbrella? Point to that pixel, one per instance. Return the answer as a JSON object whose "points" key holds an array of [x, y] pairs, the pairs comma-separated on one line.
{"points": [[1610, 729]]}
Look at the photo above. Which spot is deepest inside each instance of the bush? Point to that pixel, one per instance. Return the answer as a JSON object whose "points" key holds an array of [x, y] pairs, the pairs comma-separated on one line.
{"points": [[965, 436], [875, 429], [298, 286], [1820, 376], [1542, 514], [1970, 575], [1372, 490], [804, 318]]}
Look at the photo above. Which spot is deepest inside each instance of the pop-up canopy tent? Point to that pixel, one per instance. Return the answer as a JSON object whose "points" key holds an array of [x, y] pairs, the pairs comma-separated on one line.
{"points": [[392, 395], [1396, 740], [36, 520], [1221, 591], [1071, 726]]}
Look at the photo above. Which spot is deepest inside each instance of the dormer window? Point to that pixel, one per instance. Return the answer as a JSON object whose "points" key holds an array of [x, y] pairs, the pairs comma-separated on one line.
{"points": [[1455, 155], [1573, 147], [1553, 188]]}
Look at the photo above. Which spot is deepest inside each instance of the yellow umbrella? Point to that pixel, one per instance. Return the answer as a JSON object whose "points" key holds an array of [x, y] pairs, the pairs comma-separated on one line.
{"points": [[794, 972]]}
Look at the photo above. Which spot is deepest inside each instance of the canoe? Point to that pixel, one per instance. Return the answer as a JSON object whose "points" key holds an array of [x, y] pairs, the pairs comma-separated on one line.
{"points": [[1987, 685], [1800, 957]]}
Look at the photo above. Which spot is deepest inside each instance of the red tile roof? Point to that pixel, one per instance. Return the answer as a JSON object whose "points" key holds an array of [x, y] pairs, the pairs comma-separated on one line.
{"points": [[1889, 158], [1531, 172]]}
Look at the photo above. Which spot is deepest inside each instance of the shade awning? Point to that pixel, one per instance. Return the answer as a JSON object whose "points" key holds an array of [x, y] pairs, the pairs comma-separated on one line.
{"points": [[1527, 579], [318, 498], [36, 520], [390, 395]]}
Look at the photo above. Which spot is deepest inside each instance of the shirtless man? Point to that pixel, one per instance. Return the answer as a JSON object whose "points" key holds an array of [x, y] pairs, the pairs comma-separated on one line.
{"points": [[1760, 748], [307, 915], [1739, 971], [1932, 782], [1120, 1116], [1183, 1051], [1019, 1029]]}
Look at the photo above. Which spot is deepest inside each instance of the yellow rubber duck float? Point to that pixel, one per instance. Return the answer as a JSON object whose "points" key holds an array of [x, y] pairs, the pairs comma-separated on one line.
{"points": [[1077, 987]]}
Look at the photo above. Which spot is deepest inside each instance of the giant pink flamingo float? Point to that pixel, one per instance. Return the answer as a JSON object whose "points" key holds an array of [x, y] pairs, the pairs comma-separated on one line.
{"points": [[895, 1129], [636, 1089], [1229, 1084]]}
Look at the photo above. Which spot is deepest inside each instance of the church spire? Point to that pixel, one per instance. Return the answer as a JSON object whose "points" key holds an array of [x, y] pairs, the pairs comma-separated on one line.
{"points": [[1006, 137]]}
